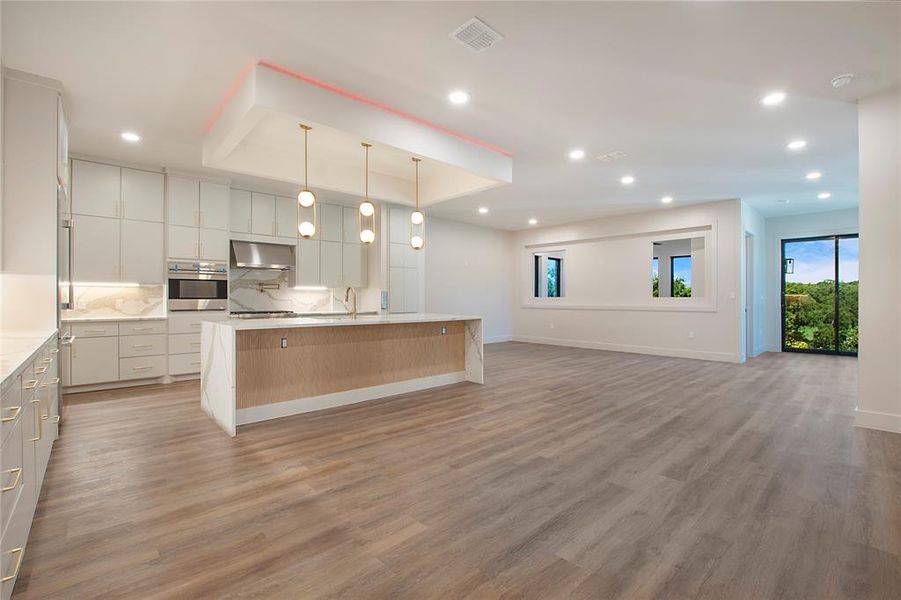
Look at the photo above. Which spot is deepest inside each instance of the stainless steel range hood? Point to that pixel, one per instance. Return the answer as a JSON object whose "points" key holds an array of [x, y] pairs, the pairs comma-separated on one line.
{"points": [[257, 255]]}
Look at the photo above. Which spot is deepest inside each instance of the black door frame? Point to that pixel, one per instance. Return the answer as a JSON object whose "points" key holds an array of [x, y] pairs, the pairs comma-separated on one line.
{"points": [[835, 318]]}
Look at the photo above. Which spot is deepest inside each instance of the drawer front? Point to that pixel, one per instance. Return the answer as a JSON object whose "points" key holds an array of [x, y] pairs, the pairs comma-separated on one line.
{"points": [[190, 322], [141, 345], [184, 364], [184, 343], [142, 367], [10, 406], [12, 546], [12, 477], [142, 327], [94, 329]]}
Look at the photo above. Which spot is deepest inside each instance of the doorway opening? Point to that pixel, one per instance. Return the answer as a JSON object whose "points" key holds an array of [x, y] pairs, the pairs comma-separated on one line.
{"points": [[819, 294]]}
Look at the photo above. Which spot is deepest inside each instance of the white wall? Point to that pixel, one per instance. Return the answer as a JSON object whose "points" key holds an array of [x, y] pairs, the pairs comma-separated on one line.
{"points": [[468, 270], [608, 271], [879, 395], [832, 222]]}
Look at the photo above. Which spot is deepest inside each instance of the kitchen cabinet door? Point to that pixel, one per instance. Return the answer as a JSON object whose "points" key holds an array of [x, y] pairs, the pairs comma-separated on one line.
{"points": [[184, 242], [396, 289], [351, 224], [285, 216], [411, 290], [143, 254], [330, 263], [308, 272], [214, 245], [142, 195], [240, 211], [95, 246], [94, 360], [399, 225], [331, 222], [262, 218], [354, 264], [214, 205], [95, 189], [184, 201]]}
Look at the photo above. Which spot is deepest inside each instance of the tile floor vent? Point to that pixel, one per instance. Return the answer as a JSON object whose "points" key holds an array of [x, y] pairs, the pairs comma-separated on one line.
{"points": [[611, 156], [476, 35]]}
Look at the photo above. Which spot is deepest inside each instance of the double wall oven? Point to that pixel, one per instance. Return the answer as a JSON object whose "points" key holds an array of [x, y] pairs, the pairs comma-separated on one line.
{"points": [[198, 286]]}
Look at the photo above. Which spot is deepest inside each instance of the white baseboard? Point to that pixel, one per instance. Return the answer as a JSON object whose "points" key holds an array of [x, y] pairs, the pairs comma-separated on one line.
{"points": [[675, 352], [877, 420], [497, 339], [305, 405], [113, 385]]}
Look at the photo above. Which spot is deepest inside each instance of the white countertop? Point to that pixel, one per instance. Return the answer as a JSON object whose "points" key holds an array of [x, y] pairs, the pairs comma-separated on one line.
{"points": [[250, 324], [109, 319], [18, 348]]}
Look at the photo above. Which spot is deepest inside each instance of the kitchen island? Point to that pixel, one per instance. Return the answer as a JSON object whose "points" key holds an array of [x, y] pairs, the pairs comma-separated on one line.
{"points": [[261, 369]]}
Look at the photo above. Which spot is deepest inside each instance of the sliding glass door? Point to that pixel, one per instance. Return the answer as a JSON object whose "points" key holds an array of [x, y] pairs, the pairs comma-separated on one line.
{"points": [[819, 294]]}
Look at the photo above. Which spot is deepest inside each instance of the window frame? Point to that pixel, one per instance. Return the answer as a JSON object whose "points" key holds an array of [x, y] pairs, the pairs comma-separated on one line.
{"points": [[672, 273]]}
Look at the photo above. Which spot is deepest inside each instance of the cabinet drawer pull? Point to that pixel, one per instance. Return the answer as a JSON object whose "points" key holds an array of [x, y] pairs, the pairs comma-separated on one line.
{"points": [[30, 384], [195, 343], [9, 488], [40, 421], [142, 328], [56, 418], [47, 361], [141, 368], [15, 413], [137, 346], [54, 350], [95, 330], [15, 573], [53, 381], [195, 362], [40, 370], [193, 324]]}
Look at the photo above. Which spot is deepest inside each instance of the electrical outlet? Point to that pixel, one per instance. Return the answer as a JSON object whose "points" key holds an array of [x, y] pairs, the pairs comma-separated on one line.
{"points": [[284, 342], [443, 330], [384, 299]]}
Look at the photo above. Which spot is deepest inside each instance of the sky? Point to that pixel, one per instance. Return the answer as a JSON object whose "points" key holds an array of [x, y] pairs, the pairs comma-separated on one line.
{"points": [[815, 260]]}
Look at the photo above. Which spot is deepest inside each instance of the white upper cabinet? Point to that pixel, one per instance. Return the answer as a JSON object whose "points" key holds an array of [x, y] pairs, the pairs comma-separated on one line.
{"points": [[214, 244], [411, 290], [285, 216], [330, 264], [142, 195], [331, 223], [262, 218], [95, 245], [184, 201], [354, 264], [240, 211], [214, 205], [142, 252], [184, 242], [351, 225], [308, 272], [398, 224], [95, 189]]}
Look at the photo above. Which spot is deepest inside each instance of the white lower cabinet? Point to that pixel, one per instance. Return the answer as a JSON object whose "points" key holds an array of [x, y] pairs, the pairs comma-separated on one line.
{"points": [[184, 343], [184, 364], [29, 404], [94, 360], [184, 340], [142, 367], [104, 352]]}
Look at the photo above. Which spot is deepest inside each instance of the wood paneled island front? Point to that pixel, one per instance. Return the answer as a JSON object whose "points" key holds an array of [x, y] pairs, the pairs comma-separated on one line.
{"points": [[255, 370]]}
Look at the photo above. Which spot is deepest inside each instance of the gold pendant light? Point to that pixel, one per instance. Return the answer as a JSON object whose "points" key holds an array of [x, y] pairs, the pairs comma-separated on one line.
{"points": [[366, 213], [306, 200], [417, 218]]}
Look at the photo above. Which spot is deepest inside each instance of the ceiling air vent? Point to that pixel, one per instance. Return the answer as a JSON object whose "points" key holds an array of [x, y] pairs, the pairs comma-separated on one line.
{"points": [[611, 156], [476, 35]]}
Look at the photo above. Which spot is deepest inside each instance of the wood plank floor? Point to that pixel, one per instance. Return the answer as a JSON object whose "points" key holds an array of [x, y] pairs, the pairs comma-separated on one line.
{"points": [[571, 474]]}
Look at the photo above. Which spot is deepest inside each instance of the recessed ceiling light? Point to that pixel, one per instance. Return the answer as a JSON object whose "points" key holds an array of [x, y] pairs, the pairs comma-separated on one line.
{"points": [[824, 195], [813, 175], [577, 154], [130, 136], [796, 144], [483, 211], [458, 97], [533, 221], [773, 98], [666, 199], [627, 180]]}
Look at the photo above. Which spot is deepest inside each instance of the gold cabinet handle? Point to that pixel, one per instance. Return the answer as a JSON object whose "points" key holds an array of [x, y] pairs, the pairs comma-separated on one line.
{"points": [[15, 574], [140, 346], [47, 361], [40, 370], [15, 484], [56, 418], [141, 368], [15, 410], [53, 381], [39, 420], [30, 384], [54, 350]]}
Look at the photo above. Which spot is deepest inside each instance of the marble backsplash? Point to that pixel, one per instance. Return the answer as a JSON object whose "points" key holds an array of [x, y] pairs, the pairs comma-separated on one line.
{"points": [[263, 289], [114, 302]]}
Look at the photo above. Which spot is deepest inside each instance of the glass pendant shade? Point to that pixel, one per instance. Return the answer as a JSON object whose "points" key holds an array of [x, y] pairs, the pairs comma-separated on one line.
{"points": [[416, 217], [417, 242], [306, 230], [306, 198], [367, 236], [367, 208]]}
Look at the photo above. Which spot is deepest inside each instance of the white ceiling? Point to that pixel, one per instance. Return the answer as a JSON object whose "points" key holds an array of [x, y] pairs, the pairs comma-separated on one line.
{"points": [[673, 85]]}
